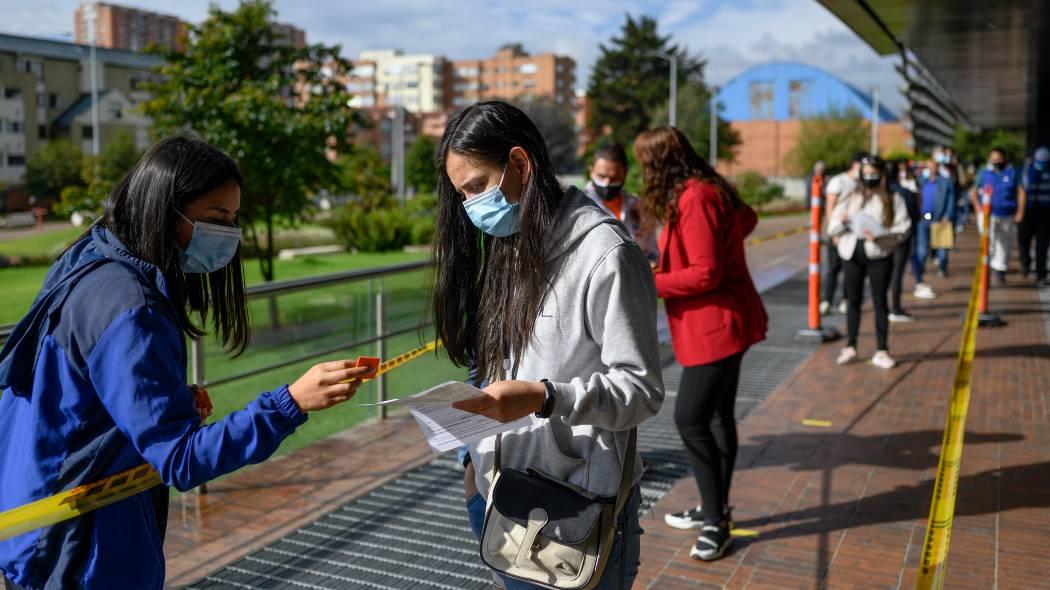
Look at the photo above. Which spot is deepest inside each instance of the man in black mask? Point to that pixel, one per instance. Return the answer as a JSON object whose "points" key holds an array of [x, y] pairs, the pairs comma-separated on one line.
{"points": [[608, 173]]}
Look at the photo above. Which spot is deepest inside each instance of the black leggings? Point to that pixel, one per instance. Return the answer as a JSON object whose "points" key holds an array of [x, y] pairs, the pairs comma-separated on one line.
{"points": [[831, 274], [901, 258], [880, 271], [703, 413]]}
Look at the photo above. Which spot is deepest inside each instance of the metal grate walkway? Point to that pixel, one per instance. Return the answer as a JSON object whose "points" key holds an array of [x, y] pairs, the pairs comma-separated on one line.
{"points": [[412, 532]]}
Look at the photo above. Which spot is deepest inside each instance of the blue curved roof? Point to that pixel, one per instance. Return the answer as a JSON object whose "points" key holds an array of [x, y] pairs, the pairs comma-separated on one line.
{"points": [[783, 91]]}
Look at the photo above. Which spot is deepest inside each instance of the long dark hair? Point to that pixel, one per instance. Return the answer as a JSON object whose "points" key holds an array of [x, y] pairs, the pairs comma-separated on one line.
{"points": [[142, 211], [488, 291], [668, 160]]}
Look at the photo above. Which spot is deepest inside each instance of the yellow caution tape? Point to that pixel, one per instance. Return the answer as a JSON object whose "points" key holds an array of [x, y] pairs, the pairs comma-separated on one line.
{"points": [[817, 423], [776, 236], [83, 499], [932, 566], [743, 533]]}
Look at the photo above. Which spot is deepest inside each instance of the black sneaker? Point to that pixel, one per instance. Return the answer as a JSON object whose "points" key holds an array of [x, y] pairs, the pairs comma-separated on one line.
{"points": [[1000, 275], [685, 520], [712, 544]]}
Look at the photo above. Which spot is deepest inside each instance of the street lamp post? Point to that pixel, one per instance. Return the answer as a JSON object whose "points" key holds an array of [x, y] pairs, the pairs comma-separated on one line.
{"points": [[713, 155], [672, 106], [91, 17]]}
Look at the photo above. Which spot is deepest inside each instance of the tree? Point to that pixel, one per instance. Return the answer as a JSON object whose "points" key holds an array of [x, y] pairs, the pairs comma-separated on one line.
{"points": [[833, 138], [557, 124], [694, 119], [53, 168], [756, 191], [973, 146], [363, 174], [98, 176], [629, 81], [420, 171], [276, 109]]}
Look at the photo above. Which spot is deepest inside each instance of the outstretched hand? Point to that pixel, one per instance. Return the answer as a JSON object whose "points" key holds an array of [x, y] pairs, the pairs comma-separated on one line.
{"points": [[327, 384], [507, 401]]}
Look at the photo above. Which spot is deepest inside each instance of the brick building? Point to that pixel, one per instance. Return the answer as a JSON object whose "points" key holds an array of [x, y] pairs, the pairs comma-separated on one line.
{"points": [[513, 72]]}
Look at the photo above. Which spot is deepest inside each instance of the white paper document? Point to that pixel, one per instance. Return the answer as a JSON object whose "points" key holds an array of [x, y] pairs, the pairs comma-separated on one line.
{"points": [[861, 222], [445, 427], [447, 393]]}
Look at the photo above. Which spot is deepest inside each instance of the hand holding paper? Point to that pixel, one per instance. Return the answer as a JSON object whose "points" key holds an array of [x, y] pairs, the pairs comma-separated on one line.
{"points": [[863, 224]]}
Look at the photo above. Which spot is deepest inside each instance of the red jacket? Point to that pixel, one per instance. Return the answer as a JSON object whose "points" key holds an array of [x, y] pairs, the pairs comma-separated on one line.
{"points": [[713, 307]]}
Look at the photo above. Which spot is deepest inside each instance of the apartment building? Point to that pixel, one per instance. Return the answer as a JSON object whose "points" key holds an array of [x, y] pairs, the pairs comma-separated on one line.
{"points": [[45, 93], [126, 27], [417, 82], [513, 72], [123, 27]]}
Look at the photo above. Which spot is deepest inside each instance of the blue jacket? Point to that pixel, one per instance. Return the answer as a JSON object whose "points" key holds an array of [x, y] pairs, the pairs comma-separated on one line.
{"points": [[943, 201], [94, 383], [1004, 185]]}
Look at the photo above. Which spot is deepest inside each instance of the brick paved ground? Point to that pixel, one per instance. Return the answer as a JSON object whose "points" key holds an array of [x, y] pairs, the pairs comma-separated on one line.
{"points": [[846, 506]]}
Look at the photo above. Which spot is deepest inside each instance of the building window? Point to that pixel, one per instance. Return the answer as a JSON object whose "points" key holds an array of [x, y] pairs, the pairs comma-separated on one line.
{"points": [[14, 126], [799, 98], [529, 83], [12, 93], [467, 72], [87, 132], [41, 131], [762, 99], [41, 100], [528, 69], [460, 101], [365, 71], [54, 101], [30, 66], [13, 160]]}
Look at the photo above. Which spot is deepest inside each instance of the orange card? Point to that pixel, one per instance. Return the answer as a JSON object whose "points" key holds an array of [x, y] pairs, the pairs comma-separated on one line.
{"points": [[371, 362]]}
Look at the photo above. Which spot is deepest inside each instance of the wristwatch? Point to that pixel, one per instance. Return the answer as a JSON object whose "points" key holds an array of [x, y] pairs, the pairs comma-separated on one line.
{"points": [[548, 400]]}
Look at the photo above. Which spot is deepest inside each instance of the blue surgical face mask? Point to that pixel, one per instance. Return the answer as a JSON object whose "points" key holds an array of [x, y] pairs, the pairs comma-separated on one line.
{"points": [[1039, 165], [925, 172], [211, 247], [491, 213]]}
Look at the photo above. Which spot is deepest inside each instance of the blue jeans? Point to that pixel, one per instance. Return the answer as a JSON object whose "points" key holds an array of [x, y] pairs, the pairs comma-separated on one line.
{"points": [[622, 567], [922, 251]]}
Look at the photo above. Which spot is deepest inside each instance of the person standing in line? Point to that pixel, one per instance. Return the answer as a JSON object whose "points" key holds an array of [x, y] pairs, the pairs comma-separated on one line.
{"points": [[1008, 208], [867, 225], [608, 173], [936, 205], [715, 315], [94, 376], [551, 303], [840, 185], [903, 184], [1037, 216]]}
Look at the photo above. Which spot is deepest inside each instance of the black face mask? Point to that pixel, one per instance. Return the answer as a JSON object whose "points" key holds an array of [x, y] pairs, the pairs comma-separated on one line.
{"points": [[998, 165], [872, 181], [609, 192]]}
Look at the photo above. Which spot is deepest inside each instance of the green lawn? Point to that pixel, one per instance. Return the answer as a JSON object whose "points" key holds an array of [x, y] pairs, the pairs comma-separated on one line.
{"points": [[44, 244]]}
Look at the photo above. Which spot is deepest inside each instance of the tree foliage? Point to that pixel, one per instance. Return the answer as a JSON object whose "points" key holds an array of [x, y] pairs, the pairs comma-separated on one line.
{"points": [[629, 82], [98, 176], [973, 146], [756, 190], [694, 119], [276, 109], [834, 138], [364, 175], [557, 124], [54, 167], [420, 171]]}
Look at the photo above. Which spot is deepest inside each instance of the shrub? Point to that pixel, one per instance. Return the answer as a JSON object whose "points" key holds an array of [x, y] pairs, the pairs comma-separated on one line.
{"points": [[378, 230], [756, 191]]}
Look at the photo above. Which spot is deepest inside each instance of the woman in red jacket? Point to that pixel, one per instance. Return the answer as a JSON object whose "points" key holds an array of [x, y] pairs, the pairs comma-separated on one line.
{"points": [[714, 310]]}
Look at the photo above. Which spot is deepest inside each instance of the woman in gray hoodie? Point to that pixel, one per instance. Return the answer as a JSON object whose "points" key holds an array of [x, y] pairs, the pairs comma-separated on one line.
{"points": [[552, 303]]}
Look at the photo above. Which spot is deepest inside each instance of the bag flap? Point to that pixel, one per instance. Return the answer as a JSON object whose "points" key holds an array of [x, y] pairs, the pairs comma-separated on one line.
{"points": [[571, 517]]}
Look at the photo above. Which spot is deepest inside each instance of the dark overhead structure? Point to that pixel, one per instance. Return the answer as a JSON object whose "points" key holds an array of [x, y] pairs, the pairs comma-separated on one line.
{"points": [[979, 64]]}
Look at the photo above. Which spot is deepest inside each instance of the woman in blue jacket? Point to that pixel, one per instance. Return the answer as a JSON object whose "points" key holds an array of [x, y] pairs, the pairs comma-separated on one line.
{"points": [[93, 379]]}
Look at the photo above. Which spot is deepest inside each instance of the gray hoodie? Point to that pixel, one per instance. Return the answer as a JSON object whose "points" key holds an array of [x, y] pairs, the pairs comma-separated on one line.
{"points": [[596, 341]]}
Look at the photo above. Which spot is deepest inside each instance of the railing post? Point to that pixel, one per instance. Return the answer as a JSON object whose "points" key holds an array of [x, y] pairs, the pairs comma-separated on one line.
{"points": [[380, 350], [197, 357]]}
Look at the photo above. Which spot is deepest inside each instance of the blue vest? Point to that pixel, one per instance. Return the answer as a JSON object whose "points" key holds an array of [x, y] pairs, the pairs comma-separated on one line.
{"points": [[1037, 187], [1004, 190]]}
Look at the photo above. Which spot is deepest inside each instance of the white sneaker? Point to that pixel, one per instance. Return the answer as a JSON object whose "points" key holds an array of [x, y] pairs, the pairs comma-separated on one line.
{"points": [[848, 354], [924, 291], [843, 308], [883, 360], [825, 307], [902, 318]]}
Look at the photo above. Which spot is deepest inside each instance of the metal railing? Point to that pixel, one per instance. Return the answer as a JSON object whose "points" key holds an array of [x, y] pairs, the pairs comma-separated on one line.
{"points": [[269, 291]]}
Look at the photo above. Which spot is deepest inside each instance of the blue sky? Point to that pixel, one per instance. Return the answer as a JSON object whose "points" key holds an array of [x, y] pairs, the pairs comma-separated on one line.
{"points": [[731, 34]]}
